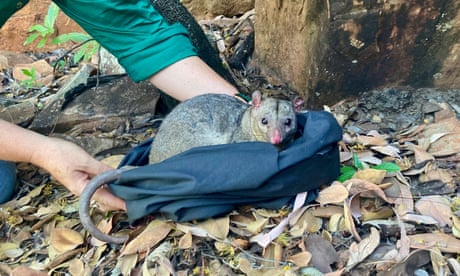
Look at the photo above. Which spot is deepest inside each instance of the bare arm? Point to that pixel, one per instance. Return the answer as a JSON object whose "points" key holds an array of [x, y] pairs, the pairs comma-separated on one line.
{"points": [[191, 77], [67, 162]]}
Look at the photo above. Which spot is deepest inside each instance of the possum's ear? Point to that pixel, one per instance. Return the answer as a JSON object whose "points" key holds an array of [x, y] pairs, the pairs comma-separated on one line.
{"points": [[298, 103], [256, 98]]}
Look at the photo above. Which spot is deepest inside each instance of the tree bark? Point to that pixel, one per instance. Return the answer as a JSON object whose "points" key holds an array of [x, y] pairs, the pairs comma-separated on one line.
{"points": [[327, 50]]}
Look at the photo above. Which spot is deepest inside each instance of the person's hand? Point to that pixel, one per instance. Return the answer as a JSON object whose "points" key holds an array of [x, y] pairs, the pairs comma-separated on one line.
{"points": [[73, 167]]}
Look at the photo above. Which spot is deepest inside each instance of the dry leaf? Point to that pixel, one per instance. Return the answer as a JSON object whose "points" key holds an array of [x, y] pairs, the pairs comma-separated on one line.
{"points": [[126, 264], [380, 213], [371, 175], [404, 203], [419, 219], [155, 232], [368, 189], [23, 270], [446, 243], [224, 249], [447, 145], [257, 225], [217, 268], [455, 265], [439, 263], [105, 225], [372, 140], [52, 209], [77, 268], [444, 126], [456, 226], [9, 250], [388, 150], [300, 259], [216, 228], [326, 211], [159, 262], [64, 239], [360, 251], [420, 154], [248, 269], [192, 229], [434, 173], [273, 254], [185, 242], [336, 193], [323, 253], [408, 266], [437, 207], [113, 160], [335, 223], [348, 219], [307, 223]]}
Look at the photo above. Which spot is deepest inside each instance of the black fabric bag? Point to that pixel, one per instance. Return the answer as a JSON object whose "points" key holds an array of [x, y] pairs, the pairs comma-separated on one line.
{"points": [[210, 181]]}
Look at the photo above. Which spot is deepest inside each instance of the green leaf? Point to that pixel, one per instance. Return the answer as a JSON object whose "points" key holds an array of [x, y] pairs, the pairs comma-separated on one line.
{"points": [[50, 18], [346, 173], [356, 162], [346, 169], [31, 38], [27, 72], [387, 166], [39, 28], [30, 73], [94, 47], [42, 42], [74, 37], [80, 53]]}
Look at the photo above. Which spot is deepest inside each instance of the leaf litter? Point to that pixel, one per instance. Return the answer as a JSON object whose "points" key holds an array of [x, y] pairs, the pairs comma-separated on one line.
{"points": [[374, 221], [395, 210]]}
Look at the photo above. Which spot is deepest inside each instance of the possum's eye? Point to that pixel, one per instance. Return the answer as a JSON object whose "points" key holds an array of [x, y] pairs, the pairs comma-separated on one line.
{"points": [[264, 121], [288, 122]]}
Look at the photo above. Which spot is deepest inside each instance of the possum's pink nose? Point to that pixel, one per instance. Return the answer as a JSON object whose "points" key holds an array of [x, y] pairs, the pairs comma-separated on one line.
{"points": [[276, 138]]}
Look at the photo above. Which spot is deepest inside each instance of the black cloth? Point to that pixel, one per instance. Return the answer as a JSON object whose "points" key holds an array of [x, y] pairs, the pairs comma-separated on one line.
{"points": [[209, 181]]}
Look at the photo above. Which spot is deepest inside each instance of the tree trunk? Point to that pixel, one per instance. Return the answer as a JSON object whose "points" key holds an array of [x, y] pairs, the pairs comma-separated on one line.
{"points": [[327, 49]]}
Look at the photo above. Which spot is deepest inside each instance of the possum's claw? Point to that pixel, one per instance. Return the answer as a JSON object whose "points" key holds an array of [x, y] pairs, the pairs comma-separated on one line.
{"points": [[85, 199]]}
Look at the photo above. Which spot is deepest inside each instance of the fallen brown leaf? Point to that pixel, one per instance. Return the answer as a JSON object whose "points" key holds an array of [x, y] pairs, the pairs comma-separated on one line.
{"points": [[437, 207], [155, 232], [64, 239], [446, 243], [360, 251], [336, 193], [371, 175]]}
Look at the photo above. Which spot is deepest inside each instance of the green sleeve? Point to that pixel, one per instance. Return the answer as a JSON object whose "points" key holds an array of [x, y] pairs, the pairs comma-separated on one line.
{"points": [[8, 8], [133, 31]]}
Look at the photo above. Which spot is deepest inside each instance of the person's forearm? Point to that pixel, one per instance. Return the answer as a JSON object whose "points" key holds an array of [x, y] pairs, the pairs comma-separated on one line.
{"points": [[191, 77], [18, 144]]}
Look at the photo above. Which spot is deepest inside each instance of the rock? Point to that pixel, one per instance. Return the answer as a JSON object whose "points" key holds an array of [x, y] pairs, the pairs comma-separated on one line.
{"points": [[105, 107], [42, 70], [206, 9], [21, 113], [94, 145], [9, 59], [3, 63]]}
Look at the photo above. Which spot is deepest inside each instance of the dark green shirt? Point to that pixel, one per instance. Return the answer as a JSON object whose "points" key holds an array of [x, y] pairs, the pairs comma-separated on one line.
{"points": [[132, 30]]}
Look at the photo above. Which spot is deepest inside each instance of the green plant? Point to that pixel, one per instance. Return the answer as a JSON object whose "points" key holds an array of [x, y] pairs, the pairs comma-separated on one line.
{"points": [[87, 45], [347, 172], [32, 81], [46, 30]]}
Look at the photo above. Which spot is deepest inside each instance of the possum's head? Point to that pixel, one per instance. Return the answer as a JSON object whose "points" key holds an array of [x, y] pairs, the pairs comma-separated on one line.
{"points": [[272, 120]]}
